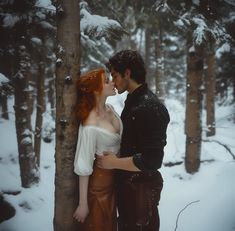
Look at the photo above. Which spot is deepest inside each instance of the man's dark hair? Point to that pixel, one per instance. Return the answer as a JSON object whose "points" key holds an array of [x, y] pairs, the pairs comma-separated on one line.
{"points": [[128, 59]]}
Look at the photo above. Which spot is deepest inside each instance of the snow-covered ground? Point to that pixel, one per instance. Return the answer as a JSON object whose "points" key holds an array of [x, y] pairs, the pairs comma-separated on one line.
{"points": [[209, 195]]}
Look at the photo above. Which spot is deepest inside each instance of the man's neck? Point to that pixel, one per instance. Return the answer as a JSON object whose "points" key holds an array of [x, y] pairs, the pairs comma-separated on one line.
{"points": [[132, 86]]}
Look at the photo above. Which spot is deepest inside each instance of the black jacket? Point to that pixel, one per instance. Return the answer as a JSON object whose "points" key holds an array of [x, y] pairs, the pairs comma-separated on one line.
{"points": [[145, 121]]}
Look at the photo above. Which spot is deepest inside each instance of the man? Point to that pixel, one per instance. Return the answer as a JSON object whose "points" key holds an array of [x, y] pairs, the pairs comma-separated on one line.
{"points": [[145, 120]]}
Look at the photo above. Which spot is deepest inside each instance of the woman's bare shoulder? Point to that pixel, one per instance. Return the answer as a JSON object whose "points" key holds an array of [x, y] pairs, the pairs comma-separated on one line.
{"points": [[91, 119]]}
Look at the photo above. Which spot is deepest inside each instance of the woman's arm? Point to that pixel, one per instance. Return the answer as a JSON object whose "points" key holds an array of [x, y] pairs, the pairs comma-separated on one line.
{"points": [[82, 210]]}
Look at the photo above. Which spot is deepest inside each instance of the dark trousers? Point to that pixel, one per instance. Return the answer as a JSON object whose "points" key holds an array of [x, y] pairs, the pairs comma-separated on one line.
{"points": [[138, 196]]}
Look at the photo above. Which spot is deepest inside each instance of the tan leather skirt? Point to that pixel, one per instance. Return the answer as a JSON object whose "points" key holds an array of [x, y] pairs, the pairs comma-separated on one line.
{"points": [[102, 202]]}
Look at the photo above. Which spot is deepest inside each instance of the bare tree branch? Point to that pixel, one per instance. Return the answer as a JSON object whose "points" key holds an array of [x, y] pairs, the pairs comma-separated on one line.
{"points": [[224, 145], [176, 224], [171, 164]]}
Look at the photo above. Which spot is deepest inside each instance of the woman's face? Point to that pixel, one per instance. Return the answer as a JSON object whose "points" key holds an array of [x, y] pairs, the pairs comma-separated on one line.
{"points": [[108, 86]]}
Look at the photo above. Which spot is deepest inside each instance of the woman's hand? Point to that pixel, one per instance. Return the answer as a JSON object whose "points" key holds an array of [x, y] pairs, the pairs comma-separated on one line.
{"points": [[81, 212]]}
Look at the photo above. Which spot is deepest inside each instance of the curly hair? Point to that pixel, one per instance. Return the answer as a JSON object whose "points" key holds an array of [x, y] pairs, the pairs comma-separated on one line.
{"points": [[87, 84], [128, 59]]}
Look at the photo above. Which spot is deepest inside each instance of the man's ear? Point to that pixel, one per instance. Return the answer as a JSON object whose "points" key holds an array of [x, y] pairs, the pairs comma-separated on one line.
{"points": [[127, 73]]}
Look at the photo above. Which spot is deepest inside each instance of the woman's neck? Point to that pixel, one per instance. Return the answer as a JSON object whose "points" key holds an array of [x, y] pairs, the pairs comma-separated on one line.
{"points": [[100, 107]]}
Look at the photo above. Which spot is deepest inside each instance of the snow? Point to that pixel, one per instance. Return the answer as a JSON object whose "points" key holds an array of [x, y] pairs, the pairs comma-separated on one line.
{"points": [[24, 108], [40, 15], [196, 2], [223, 49], [208, 195], [45, 4], [58, 61], [182, 21], [37, 41], [199, 33], [26, 140], [212, 186], [232, 2], [96, 24], [26, 132], [3, 79], [47, 25], [34, 206], [192, 49], [10, 20]]}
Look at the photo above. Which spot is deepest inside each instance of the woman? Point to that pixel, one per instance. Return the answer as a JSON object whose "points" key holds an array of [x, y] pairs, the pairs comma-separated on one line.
{"points": [[100, 130]]}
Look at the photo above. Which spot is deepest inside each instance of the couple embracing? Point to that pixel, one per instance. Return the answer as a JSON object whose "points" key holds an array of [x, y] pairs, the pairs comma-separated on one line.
{"points": [[117, 159]]}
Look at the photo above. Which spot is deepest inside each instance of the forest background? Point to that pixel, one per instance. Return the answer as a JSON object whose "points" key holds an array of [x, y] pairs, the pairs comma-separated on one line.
{"points": [[188, 48]]}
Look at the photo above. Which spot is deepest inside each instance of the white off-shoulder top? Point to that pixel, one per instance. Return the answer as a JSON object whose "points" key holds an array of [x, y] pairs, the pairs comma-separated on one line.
{"points": [[94, 140]]}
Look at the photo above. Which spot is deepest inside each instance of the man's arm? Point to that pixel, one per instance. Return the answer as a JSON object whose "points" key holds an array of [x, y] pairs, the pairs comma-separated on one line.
{"points": [[150, 125], [111, 161]]}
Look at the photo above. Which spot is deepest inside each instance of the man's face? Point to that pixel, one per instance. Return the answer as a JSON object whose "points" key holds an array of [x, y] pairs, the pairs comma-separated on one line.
{"points": [[120, 81]]}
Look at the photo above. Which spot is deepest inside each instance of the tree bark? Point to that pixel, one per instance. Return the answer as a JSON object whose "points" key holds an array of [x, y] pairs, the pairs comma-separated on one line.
{"points": [[39, 114], [51, 94], [210, 92], [234, 96], [193, 108], [28, 168], [3, 105], [147, 54], [159, 83], [66, 182]]}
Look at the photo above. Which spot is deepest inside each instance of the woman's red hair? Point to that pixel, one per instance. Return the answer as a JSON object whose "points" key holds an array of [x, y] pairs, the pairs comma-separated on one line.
{"points": [[87, 85]]}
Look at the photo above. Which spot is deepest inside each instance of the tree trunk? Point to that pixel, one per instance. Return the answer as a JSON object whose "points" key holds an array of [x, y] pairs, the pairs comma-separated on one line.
{"points": [[210, 92], [193, 108], [39, 114], [51, 94], [66, 182], [159, 83], [222, 90], [28, 167], [147, 54], [3, 105], [234, 96]]}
